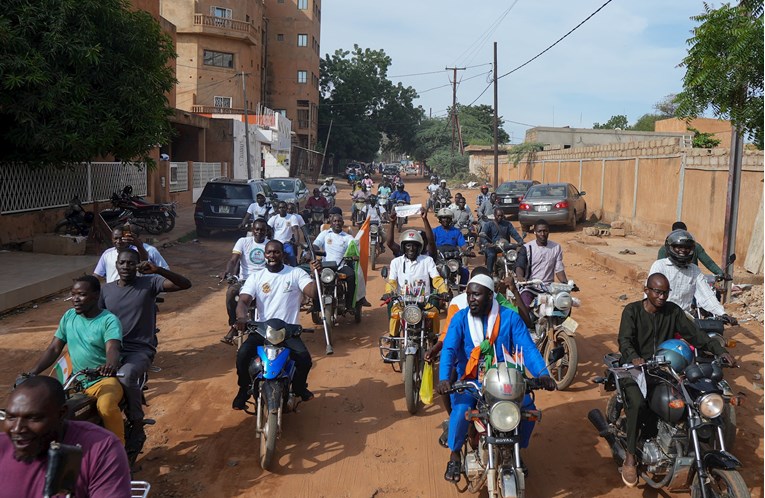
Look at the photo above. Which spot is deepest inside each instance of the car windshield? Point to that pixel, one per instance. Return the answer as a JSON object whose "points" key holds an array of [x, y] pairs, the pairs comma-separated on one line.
{"points": [[546, 191], [508, 187], [282, 185], [227, 191]]}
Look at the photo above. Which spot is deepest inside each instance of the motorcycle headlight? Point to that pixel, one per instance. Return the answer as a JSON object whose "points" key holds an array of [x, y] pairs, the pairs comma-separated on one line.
{"points": [[373, 228], [412, 314], [453, 265], [505, 416], [275, 336], [711, 405], [327, 275], [562, 301], [511, 255]]}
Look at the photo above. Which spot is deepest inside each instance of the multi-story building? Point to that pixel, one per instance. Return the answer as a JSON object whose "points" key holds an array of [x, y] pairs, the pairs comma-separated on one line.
{"points": [[217, 41], [292, 64]]}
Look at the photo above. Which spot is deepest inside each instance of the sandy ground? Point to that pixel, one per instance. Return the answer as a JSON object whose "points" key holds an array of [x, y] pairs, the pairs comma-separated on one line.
{"points": [[356, 439]]}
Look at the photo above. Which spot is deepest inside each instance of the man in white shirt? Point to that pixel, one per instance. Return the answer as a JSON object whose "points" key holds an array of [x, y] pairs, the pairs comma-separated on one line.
{"points": [[258, 209], [334, 242], [297, 220], [278, 292], [411, 275], [126, 238], [249, 254], [285, 231], [686, 281]]}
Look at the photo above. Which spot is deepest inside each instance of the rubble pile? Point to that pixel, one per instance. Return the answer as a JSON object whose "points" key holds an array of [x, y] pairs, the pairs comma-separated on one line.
{"points": [[750, 304]]}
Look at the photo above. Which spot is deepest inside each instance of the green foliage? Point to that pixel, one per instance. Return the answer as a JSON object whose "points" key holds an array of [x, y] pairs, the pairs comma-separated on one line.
{"points": [[617, 121], [448, 165], [364, 106], [646, 122], [477, 124], [667, 107], [518, 152], [724, 67], [703, 140], [81, 79]]}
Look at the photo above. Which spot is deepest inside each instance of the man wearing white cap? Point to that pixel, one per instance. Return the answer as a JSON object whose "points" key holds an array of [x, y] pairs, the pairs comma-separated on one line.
{"points": [[477, 337]]}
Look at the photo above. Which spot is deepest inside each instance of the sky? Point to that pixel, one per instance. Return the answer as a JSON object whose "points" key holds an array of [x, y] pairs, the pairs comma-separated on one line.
{"points": [[621, 61]]}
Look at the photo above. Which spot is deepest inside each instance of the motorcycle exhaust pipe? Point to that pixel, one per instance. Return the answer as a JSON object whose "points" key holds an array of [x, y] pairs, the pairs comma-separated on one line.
{"points": [[597, 419]]}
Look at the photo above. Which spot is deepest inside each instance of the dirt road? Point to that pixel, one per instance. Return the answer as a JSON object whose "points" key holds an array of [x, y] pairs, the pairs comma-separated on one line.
{"points": [[356, 439]]}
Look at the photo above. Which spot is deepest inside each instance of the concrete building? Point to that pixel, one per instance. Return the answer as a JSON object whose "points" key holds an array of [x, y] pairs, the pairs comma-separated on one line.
{"points": [[720, 128], [292, 64], [216, 41], [567, 138]]}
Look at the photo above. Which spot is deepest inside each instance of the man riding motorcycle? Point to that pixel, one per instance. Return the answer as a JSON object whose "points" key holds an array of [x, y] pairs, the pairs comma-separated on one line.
{"points": [[477, 338], [400, 195], [685, 279], [447, 235], [411, 273], [644, 325], [483, 196], [494, 230]]}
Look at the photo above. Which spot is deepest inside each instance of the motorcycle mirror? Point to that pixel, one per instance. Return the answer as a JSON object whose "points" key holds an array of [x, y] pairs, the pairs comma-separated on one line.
{"points": [[384, 272], [63, 469], [556, 354], [731, 258]]}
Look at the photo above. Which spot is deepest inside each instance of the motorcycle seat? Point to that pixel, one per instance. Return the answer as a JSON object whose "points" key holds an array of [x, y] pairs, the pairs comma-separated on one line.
{"points": [[332, 265]]}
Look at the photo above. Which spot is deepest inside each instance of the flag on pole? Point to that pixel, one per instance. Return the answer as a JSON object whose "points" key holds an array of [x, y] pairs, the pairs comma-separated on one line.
{"points": [[62, 369], [514, 360], [359, 247]]}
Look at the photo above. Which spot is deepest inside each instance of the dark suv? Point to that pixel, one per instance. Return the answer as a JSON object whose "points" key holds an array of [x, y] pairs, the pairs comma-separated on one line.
{"points": [[509, 195], [224, 202]]}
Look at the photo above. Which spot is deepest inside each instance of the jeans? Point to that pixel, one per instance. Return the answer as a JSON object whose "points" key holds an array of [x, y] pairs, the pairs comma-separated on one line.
{"points": [[231, 300], [298, 353], [108, 393], [135, 365], [491, 258]]}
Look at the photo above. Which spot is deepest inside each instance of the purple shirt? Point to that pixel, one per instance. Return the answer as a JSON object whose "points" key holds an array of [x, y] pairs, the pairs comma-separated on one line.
{"points": [[546, 261], [104, 472]]}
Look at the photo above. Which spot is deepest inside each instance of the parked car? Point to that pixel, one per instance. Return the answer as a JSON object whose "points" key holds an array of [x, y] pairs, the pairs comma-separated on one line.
{"points": [[411, 169], [556, 203], [509, 195], [289, 189], [224, 201]]}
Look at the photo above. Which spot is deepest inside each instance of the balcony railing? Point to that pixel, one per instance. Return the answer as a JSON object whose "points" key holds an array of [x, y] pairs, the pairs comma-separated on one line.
{"points": [[209, 109], [240, 29]]}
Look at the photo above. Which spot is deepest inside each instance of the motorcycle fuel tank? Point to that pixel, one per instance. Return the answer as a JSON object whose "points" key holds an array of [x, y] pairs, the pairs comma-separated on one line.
{"points": [[274, 360], [667, 402]]}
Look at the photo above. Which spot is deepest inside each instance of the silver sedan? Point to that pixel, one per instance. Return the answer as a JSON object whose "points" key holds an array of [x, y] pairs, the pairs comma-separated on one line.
{"points": [[556, 203]]}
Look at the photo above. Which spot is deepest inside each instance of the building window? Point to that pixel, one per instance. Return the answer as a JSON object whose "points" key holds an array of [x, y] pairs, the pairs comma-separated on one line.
{"points": [[221, 16], [303, 4], [280, 37], [224, 102], [302, 103], [283, 112], [302, 118], [302, 40], [302, 77], [219, 59]]}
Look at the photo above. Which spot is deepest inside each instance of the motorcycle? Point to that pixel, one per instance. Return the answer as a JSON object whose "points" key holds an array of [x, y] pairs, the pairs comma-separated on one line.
{"points": [[417, 337], [359, 215], [491, 455], [375, 243], [151, 217], [76, 220], [333, 292], [81, 406], [271, 372], [470, 236], [329, 196], [315, 221], [449, 264], [553, 325], [170, 208], [384, 202], [688, 450], [401, 220], [507, 253], [440, 202]]}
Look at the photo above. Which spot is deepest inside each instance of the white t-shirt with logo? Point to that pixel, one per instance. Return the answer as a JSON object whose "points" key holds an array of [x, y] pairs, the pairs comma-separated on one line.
{"points": [[256, 211], [252, 255], [375, 212], [334, 244], [277, 295], [413, 274], [282, 226]]}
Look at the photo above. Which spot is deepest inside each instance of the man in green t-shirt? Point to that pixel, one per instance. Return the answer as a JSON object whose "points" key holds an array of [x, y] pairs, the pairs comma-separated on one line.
{"points": [[94, 338]]}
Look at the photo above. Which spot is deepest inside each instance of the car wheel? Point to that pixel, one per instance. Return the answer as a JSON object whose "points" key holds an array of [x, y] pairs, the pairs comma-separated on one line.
{"points": [[584, 214], [202, 232], [572, 223]]}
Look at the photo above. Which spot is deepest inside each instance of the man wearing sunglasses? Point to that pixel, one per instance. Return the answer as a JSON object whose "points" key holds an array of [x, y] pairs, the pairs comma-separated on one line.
{"points": [[645, 325]]}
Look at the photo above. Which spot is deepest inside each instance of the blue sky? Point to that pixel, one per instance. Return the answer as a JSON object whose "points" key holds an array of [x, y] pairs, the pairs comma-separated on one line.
{"points": [[622, 61]]}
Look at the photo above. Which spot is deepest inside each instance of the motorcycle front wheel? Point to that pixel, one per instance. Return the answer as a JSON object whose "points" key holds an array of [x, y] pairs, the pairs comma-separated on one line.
{"points": [[169, 222], [268, 438], [373, 256], [723, 484], [412, 378], [154, 223], [563, 371]]}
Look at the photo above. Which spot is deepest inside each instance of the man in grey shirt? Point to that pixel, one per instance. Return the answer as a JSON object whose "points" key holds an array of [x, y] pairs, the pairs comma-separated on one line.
{"points": [[540, 258], [132, 300]]}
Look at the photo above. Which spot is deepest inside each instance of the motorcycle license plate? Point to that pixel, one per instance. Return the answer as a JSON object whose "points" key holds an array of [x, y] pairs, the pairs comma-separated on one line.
{"points": [[223, 209], [543, 208], [570, 325]]}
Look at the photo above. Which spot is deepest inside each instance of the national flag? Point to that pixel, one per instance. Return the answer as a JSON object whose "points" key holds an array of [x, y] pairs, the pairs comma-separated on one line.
{"points": [[514, 360], [62, 369], [359, 247]]}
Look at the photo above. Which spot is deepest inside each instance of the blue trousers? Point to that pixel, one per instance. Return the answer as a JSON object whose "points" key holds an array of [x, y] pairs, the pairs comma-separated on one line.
{"points": [[290, 255], [458, 426]]}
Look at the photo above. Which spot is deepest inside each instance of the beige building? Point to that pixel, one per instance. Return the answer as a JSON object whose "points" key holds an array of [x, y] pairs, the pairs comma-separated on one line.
{"points": [[292, 64], [216, 41]]}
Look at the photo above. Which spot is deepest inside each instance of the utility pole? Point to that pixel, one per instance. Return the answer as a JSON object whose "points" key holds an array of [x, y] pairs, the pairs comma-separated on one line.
{"points": [[731, 204], [454, 102], [496, 124], [246, 125], [326, 144]]}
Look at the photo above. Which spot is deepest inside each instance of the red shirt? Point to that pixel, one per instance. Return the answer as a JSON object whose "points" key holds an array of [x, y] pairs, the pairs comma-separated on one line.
{"points": [[321, 202]]}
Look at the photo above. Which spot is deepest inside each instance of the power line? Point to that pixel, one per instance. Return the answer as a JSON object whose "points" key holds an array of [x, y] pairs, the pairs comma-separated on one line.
{"points": [[472, 51], [556, 41]]}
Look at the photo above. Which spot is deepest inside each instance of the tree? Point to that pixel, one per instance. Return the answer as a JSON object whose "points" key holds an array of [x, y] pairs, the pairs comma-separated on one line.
{"points": [[724, 67], [81, 79], [364, 105], [703, 140], [477, 124], [646, 122], [666, 107], [618, 121]]}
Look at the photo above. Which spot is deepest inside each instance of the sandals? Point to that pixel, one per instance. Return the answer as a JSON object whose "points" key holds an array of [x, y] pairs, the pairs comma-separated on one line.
{"points": [[453, 471]]}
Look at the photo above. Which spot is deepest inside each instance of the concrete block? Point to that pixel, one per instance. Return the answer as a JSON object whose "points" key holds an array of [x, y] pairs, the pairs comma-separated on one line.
{"points": [[63, 245], [618, 232], [617, 224]]}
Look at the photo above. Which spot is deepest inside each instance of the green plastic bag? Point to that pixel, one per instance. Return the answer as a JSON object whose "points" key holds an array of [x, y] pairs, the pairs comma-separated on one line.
{"points": [[426, 386]]}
